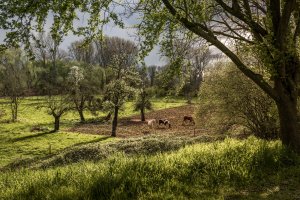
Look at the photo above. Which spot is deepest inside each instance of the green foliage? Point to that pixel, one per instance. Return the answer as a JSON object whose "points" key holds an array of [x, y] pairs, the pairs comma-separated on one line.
{"points": [[56, 105], [142, 101], [63, 15], [218, 170], [84, 83], [118, 92], [13, 66], [227, 98]]}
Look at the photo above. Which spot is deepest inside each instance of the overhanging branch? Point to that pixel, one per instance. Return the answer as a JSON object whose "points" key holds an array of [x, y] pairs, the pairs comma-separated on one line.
{"points": [[210, 37]]}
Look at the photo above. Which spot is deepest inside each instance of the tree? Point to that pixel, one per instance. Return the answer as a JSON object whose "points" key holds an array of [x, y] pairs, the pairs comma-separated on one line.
{"points": [[121, 87], [109, 47], [143, 95], [117, 93], [152, 74], [194, 58], [143, 102], [83, 84], [50, 58], [82, 52], [269, 30], [56, 106], [13, 80]]}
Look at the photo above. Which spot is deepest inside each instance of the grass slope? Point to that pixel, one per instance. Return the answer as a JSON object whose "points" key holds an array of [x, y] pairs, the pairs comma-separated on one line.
{"points": [[230, 169]]}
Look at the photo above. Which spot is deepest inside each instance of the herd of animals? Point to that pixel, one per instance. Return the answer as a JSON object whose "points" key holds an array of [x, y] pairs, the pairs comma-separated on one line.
{"points": [[165, 122]]}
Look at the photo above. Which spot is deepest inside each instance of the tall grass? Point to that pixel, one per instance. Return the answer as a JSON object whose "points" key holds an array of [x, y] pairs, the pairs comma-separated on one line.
{"points": [[250, 169]]}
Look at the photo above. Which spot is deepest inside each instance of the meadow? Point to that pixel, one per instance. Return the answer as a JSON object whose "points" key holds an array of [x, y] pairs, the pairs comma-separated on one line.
{"points": [[73, 165], [18, 142], [228, 169]]}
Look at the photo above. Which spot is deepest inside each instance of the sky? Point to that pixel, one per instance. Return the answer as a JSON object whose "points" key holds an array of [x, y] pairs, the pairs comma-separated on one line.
{"points": [[110, 30]]}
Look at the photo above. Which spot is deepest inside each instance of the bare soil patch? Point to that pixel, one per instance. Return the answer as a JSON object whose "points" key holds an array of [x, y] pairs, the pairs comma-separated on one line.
{"points": [[133, 126]]}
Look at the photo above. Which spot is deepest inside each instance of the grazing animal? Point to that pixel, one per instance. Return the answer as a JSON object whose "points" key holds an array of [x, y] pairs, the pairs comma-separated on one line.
{"points": [[151, 123], [164, 122], [188, 118]]}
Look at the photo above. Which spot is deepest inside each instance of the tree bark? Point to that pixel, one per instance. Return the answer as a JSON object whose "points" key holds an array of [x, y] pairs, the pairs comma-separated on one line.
{"points": [[143, 115], [56, 123], [82, 119], [289, 127], [115, 122]]}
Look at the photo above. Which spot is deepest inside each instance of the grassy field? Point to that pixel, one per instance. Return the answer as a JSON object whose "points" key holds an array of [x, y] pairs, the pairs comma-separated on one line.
{"points": [[229, 169], [17, 142], [70, 165]]}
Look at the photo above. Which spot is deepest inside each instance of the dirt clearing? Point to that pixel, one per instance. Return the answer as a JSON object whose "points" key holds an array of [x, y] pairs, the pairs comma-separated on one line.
{"points": [[133, 126]]}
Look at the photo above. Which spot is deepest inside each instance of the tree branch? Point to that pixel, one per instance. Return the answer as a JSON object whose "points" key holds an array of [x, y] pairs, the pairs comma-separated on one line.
{"points": [[213, 40]]}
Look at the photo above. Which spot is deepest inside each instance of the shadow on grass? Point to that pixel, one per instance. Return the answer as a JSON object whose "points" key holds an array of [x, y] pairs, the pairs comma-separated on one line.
{"points": [[93, 141], [69, 152], [32, 136]]}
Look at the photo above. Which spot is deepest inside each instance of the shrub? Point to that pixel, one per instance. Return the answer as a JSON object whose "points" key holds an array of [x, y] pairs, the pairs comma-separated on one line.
{"points": [[228, 98]]}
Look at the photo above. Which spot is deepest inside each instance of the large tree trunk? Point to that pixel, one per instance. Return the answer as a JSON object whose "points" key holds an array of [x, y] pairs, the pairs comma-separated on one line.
{"points": [[287, 109], [115, 122], [56, 123], [143, 115]]}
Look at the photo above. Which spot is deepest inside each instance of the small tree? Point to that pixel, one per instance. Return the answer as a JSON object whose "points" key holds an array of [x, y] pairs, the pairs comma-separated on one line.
{"points": [[143, 95], [123, 78], [118, 91], [13, 78], [143, 102], [84, 82], [57, 106]]}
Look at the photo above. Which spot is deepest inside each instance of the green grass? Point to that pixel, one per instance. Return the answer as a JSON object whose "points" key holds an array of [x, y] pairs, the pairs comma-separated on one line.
{"points": [[65, 165], [17, 142], [230, 169]]}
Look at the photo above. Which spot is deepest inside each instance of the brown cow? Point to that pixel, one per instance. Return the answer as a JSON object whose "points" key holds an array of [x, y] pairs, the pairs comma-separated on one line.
{"points": [[189, 119]]}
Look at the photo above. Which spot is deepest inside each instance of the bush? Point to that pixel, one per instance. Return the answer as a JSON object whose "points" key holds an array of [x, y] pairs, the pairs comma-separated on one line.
{"points": [[228, 98]]}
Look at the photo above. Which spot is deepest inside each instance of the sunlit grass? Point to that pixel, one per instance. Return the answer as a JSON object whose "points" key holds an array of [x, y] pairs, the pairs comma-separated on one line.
{"points": [[232, 169], [18, 142]]}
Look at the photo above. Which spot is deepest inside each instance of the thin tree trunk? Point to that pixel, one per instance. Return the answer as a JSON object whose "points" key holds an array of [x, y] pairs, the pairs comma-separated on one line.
{"points": [[107, 117], [82, 119], [14, 109], [143, 115], [12, 112], [56, 123], [115, 122]]}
